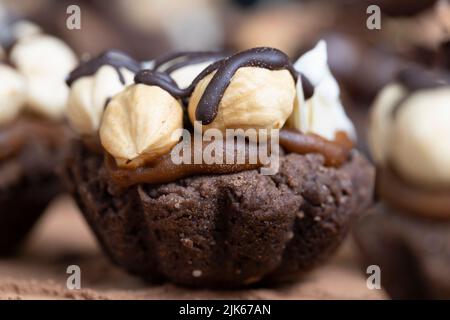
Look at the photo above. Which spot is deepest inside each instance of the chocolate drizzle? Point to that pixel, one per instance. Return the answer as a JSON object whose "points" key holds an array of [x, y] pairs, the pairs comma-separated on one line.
{"points": [[162, 80], [114, 58], [207, 108], [174, 61], [267, 58], [417, 78], [307, 86]]}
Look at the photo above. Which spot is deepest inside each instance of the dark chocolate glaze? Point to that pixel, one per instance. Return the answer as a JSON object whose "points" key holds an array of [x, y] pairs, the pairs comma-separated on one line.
{"points": [[417, 78], [165, 81], [114, 58], [444, 51], [178, 60], [307, 86], [267, 58], [207, 108], [162, 80]]}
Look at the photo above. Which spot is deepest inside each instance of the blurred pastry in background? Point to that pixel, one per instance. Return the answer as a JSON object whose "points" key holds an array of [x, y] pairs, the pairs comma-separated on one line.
{"points": [[187, 25], [363, 68], [408, 235], [417, 37], [288, 27], [32, 131], [408, 35], [363, 60]]}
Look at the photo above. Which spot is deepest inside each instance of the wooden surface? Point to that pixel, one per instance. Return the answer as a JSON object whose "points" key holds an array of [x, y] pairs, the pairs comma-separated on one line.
{"points": [[62, 238]]}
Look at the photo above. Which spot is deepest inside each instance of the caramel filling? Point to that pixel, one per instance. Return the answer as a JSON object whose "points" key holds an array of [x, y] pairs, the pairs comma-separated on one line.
{"points": [[15, 135], [335, 152], [164, 170], [412, 199]]}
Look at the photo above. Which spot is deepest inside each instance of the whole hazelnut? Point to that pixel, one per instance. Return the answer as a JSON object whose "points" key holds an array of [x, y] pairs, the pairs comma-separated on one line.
{"points": [[409, 131], [420, 142], [141, 124], [255, 98], [381, 121]]}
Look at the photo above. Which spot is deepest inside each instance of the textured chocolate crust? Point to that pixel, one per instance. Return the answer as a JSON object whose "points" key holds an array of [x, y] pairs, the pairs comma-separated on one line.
{"points": [[28, 182], [225, 230], [412, 252]]}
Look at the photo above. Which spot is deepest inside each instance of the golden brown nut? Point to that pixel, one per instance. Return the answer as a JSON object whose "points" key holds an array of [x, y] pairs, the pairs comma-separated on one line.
{"points": [[414, 138], [255, 98], [141, 124], [421, 138]]}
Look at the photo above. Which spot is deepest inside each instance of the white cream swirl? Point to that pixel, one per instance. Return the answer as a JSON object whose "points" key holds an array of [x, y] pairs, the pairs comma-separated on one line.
{"points": [[89, 94], [12, 93], [44, 61], [322, 114]]}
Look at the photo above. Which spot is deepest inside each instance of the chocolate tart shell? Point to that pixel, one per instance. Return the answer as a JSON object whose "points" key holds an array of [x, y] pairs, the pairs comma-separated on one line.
{"points": [[413, 252], [226, 230], [28, 182]]}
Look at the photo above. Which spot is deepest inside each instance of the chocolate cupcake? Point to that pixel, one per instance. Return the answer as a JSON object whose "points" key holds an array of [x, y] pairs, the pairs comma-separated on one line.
{"points": [[408, 235], [209, 204], [32, 133]]}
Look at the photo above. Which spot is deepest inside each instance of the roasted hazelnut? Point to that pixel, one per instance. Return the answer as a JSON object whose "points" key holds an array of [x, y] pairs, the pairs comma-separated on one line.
{"points": [[141, 124], [409, 131], [420, 145], [255, 98]]}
